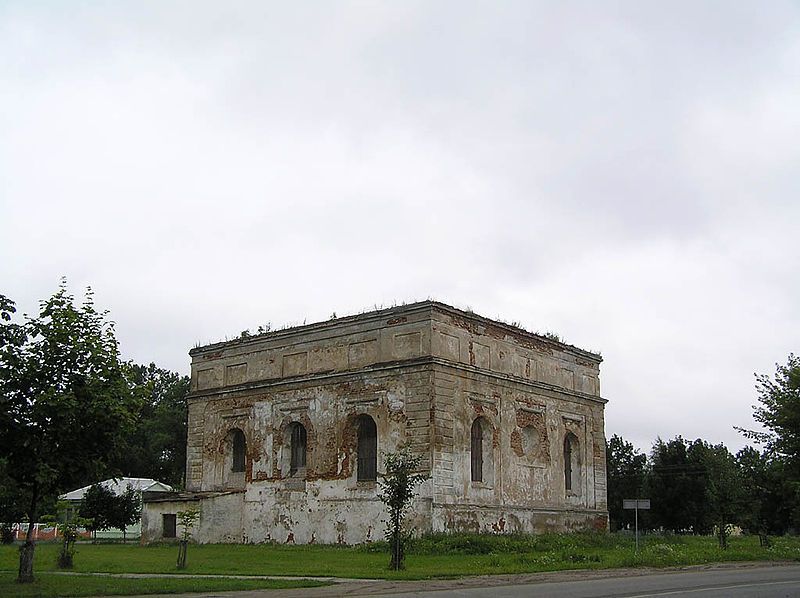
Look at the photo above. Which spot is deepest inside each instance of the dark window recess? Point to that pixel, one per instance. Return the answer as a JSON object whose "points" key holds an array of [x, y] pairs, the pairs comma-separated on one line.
{"points": [[568, 463], [169, 525], [239, 450], [476, 451], [298, 448], [367, 449]]}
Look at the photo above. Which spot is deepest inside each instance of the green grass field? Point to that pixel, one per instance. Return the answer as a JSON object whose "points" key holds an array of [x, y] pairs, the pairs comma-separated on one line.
{"points": [[49, 585], [428, 557]]}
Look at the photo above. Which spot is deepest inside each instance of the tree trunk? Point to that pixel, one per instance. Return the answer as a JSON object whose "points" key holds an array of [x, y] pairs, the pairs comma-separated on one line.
{"points": [[182, 554], [26, 562], [26, 550], [65, 557], [397, 544], [723, 534]]}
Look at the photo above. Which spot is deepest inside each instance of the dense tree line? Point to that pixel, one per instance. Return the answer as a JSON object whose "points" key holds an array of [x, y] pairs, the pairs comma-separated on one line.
{"points": [[156, 445], [698, 487]]}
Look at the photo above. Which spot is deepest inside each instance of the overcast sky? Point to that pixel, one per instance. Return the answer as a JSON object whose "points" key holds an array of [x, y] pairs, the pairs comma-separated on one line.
{"points": [[624, 174]]}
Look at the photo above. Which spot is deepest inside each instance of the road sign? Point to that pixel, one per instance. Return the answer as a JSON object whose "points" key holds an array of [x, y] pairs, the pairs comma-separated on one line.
{"points": [[636, 504]]}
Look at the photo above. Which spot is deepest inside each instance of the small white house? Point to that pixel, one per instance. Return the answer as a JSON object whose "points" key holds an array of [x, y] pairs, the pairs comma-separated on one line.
{"points": [[119, 486]]}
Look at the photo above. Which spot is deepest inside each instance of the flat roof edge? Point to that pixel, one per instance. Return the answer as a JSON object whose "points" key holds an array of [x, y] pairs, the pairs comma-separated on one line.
{"points": [[417, 307]]}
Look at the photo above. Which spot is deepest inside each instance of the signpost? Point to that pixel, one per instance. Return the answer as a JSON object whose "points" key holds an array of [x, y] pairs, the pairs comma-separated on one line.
{"points": [[636, 504]]}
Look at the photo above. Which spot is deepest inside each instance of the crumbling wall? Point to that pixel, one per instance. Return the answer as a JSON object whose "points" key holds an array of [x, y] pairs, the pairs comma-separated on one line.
{"points": [[323, 502], [526, 489], [509, 519], [504, 349]]}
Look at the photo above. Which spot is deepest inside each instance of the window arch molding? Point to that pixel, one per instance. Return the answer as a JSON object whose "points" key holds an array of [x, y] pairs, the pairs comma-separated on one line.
{"points": [[232, 470], [296, 449]]}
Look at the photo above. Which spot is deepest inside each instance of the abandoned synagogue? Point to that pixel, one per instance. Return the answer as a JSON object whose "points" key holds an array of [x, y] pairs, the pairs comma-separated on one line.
{"points": [[287, 430]]}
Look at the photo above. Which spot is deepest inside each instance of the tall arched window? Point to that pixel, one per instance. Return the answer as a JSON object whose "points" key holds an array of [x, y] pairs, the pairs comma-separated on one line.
{"points": [[476, 450], [367, 469], [571, 463], [239, 449], [297, 458]]}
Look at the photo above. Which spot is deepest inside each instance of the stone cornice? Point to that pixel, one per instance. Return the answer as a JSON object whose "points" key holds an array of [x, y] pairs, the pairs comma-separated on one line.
{"points": [[425, 361]]}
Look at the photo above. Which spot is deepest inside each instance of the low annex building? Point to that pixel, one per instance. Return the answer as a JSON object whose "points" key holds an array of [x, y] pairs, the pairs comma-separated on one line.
{"points": [[287, 430]]}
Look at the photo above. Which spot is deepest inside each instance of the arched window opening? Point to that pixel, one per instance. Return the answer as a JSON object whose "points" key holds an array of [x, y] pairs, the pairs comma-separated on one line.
{"points": [[567, 464], [297, 459], [367, 469], [571, 463], [239, 449], [476, 450]]}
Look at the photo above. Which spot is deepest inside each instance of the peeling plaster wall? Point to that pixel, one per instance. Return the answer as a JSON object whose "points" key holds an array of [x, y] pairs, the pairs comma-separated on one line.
{"points": [[423, 373], [532, 391], [323, 503]]}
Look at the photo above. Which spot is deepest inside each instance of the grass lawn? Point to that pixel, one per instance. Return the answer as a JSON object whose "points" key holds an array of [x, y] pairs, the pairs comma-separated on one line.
{"points": [[429, 556], [49, 585]]}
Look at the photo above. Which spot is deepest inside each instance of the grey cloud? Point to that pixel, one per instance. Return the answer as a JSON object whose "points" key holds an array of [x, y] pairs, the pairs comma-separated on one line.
{"points": [[623, 174]]}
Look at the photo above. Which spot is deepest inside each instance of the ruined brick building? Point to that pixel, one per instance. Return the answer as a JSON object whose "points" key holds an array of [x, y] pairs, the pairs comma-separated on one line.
{"points": [[287, 430]]}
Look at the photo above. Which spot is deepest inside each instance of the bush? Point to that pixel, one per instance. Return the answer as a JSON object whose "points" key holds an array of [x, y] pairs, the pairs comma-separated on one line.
{"points": [[470, 543], [6, 533]]}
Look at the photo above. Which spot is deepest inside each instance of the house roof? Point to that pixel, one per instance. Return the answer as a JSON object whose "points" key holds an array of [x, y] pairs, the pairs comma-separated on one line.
{"points": [[120, 485]]}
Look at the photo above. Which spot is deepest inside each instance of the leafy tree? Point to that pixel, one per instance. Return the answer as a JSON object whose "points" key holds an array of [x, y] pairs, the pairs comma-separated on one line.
{"points": [[770, 497], [397, 490], [97, 508], [69, 533], [65, 401], [102, 509], [677, 487], [156, 447], [11, 337], [627, 473], [773, 477], [696, 486], [779, 413], [127, 509], [724, 495], [187, 519]]}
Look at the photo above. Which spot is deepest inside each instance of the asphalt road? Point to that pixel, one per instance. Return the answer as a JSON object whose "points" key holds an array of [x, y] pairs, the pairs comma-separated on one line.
{"points": [[755, 582], [720, 580]]}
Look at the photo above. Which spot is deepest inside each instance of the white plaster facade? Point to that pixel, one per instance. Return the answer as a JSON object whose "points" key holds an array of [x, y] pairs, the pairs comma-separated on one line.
{"points": [[424, 373]]}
